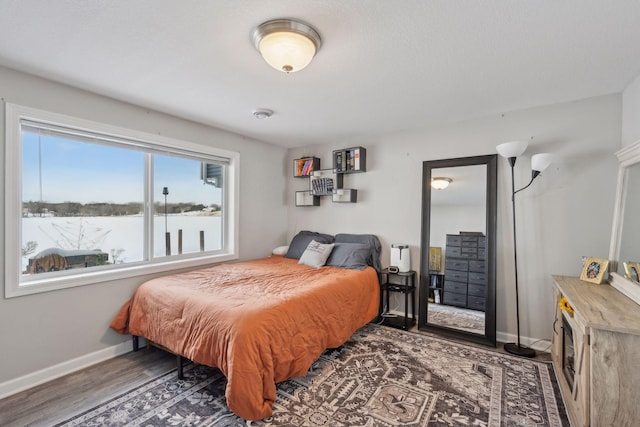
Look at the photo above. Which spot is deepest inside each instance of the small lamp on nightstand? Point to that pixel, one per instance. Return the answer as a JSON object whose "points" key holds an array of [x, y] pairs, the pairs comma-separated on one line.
{"points": [[539, 162]]}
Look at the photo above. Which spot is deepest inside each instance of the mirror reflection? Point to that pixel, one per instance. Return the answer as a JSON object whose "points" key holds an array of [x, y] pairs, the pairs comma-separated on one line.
{"points": [[457, 285], [458, 234], [629, 256]]}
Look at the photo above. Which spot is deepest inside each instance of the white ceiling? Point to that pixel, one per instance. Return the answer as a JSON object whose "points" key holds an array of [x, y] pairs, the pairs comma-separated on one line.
{"points": [[385, 65]]}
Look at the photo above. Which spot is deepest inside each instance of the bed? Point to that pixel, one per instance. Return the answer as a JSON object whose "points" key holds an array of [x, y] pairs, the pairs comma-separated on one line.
{"points": [[261, 321]]}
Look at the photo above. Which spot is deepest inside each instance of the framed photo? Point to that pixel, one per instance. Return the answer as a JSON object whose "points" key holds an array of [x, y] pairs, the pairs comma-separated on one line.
{"points": [[632, 271], [594, 270]]}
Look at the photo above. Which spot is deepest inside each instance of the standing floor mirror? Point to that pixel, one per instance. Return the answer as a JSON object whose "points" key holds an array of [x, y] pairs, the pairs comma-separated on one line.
{"points": [[457, 295]]}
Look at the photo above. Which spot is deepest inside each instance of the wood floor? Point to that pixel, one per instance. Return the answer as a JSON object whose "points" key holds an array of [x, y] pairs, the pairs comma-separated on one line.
{"points": [[60, 399]]}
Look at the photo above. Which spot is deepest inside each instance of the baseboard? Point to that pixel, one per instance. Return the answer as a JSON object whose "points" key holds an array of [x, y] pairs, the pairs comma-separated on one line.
{"points": [[541, 345], [33, 379]]}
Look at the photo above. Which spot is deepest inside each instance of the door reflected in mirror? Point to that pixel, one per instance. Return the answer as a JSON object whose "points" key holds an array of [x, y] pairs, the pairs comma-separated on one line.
{"points": [[457, 294]]}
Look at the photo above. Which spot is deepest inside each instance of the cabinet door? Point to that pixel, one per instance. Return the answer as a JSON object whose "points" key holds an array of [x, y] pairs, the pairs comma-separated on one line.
{"points": [[576, 395]]}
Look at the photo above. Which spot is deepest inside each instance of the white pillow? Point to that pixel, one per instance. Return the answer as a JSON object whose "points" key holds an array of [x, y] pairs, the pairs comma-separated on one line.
{"points": [[280, 250], [316, 254]]}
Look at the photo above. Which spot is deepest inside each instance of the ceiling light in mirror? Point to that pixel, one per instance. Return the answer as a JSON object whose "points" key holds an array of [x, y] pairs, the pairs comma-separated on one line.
{"points": [[440, 183]]}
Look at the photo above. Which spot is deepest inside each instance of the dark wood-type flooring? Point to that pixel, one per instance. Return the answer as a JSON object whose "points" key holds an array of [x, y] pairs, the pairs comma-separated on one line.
{"points": [[60, 399]]}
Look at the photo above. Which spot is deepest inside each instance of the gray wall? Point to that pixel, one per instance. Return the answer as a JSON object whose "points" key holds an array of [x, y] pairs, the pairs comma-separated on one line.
{"points": [[631, 113], [38, 332], [567, 212]]}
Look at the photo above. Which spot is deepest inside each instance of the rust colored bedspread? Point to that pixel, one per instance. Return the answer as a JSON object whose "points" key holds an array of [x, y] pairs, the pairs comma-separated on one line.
{"points": [[260, 322]]}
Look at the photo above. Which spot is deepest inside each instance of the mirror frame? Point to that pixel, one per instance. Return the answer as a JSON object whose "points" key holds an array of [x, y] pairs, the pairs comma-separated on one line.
{"points": [[627, 157], [491, 161]]}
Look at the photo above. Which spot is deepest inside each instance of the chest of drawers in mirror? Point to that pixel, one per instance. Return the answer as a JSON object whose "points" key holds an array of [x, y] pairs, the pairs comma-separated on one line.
{"points": [[465, 275]]}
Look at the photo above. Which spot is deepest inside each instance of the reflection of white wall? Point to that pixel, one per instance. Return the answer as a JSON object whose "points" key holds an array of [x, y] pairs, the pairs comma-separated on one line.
{"points": [[630, 240], [454, 219]]}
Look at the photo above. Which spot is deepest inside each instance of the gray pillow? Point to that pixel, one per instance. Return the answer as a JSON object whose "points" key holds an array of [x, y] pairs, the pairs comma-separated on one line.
{"points": [[350, 255], [301, 240], [370, 240], [316, 254]]}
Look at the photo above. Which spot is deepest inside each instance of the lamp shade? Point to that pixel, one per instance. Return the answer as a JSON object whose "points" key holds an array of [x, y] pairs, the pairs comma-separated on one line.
{"points": [[440, 183], [511, 149], [286, 45], [540, 162]]}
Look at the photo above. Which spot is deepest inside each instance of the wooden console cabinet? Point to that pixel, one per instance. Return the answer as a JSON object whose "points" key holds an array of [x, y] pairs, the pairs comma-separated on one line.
{"points": [[596, 353]]}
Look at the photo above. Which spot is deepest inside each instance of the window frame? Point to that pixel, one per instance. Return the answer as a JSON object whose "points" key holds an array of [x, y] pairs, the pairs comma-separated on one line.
{"points": [[15, 114]]}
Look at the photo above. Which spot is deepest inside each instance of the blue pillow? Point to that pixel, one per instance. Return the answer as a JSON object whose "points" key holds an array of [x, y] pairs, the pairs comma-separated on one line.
{"points": [[301, 240], [354, 256]]}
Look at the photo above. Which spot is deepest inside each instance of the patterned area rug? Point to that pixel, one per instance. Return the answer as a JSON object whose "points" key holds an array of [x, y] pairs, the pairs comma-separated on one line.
{"points": [[456, 318], [380, 377]]}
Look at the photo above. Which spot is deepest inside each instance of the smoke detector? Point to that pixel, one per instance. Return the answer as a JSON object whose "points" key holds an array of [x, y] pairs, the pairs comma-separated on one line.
{"points": [[262, 113]]}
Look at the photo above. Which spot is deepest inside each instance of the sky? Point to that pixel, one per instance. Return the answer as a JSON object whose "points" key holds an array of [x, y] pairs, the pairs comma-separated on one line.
{"points": [[75, 171]]}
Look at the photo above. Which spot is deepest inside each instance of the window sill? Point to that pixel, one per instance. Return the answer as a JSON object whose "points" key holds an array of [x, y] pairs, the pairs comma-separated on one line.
{"points": [[56, 282]]}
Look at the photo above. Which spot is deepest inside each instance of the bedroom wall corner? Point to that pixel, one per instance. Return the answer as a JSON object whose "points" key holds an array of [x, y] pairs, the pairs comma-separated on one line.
{"points": [[43, 331]]}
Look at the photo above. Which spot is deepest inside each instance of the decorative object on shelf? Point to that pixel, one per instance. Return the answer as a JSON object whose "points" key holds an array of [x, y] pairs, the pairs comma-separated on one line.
{"points": [[350, 160], [565, 306], [324, 181], [632, 271], [539, 162], [287, 45], [304, 166], [594, 270], [440, 182]]}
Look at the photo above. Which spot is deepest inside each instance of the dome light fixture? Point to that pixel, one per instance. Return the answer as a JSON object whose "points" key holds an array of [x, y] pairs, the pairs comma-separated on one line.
{"points": [[440, 183], [286, 44]]}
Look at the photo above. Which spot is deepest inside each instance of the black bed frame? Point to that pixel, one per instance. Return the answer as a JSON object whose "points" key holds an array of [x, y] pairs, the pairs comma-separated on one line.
{"points": [[179, 359]]}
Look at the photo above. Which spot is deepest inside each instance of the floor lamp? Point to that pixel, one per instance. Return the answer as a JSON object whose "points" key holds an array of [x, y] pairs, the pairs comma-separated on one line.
{"points": [[539, 162]]}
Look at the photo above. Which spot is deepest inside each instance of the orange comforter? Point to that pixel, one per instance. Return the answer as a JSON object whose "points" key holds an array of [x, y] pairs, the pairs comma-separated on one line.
{"points": [[260, 322]]}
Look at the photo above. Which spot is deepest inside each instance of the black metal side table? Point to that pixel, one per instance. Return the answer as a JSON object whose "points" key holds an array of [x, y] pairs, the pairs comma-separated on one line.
{"points": [[398, 282]]}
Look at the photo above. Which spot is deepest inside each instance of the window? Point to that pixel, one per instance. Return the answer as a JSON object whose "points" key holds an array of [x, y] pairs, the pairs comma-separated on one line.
{"points": [[87, 202]]}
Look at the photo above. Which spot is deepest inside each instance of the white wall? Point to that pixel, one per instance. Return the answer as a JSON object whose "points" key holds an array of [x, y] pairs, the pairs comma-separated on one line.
{"points": [[38, 332], [566, 213], [631, 113], [452, 219]]}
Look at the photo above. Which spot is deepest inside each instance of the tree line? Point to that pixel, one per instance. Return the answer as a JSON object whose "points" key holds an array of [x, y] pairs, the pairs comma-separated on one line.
{"points": [[32, 208]]}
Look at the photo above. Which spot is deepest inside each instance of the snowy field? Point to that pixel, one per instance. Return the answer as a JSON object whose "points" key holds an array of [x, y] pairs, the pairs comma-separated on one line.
{"points": [[123, 234]]}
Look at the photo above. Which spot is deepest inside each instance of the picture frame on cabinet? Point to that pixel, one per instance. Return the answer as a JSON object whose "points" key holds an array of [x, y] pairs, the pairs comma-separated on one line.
{"points": [[594, 270], [632, 271]]}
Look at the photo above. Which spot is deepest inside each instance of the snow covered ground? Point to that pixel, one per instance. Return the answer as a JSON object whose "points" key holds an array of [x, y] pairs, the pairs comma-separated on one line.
{"points": [[113, 234]]}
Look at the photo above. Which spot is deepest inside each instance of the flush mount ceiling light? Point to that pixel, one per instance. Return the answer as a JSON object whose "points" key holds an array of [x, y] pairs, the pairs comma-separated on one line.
{"points": [[262, 113], [286, 45], [440, 183]]}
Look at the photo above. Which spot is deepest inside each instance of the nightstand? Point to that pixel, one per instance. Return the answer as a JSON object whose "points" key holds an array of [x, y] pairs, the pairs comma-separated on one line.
{"points": [[398, 282]]}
